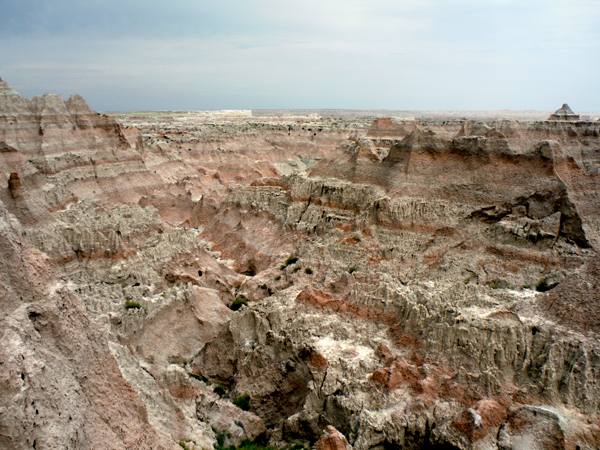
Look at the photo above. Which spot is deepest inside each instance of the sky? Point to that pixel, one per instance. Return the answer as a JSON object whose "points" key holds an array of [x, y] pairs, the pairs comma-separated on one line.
{"points": [[266, 54]]}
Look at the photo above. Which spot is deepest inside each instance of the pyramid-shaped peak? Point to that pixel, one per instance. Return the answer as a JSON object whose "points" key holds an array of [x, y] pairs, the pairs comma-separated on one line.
{"points": [[565, 107], [564, 113]]}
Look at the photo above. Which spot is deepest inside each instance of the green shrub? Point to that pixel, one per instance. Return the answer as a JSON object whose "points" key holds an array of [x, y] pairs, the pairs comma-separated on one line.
{"points": [[278, 277], [291, 260], [495, 286], [308, 270], [220, 390], [296, 269], [220, 437], [352, 269], [238, 303], [242, 402], [356, 238], [130, 304]]}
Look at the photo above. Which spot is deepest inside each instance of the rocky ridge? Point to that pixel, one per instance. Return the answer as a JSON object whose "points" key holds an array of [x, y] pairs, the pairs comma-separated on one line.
{"points": [[318, 281]]}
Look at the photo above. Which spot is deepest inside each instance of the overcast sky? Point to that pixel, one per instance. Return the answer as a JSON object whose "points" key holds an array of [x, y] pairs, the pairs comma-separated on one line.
{"points": [[244, 54]]}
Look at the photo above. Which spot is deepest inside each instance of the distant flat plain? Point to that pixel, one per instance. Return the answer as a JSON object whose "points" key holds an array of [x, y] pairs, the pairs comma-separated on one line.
{"points": [[394, 113]]}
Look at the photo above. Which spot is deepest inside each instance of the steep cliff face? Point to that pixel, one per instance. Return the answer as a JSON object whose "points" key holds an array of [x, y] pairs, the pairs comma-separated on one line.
{"points": [[64, 151], [61, 387], [204, 281]]}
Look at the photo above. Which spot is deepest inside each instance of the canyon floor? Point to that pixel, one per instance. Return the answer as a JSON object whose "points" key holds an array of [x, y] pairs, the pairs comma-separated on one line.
{"points": [[297, 279]]}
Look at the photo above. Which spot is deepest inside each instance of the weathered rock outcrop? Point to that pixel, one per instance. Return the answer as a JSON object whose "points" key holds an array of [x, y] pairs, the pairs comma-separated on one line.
{"points": [[61, 387]]}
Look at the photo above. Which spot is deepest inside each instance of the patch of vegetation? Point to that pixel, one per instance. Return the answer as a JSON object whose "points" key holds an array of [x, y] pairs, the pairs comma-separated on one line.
{"points": [[130, 304], [220, 437], [184, 445], [296, 269], [352, 269], [357, 238], [308, 270], [278, 277], [495, 286], [242, 402], [526, 286], [238, 303], [291, 260], [221, 391]]}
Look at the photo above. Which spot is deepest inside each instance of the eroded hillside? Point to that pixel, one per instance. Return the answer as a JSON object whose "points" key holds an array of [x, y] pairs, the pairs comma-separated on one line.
{"points": [[207, 280]]}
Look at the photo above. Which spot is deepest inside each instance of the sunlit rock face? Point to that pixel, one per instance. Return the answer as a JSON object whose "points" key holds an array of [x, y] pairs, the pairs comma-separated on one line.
{"points": [[192, 281]]}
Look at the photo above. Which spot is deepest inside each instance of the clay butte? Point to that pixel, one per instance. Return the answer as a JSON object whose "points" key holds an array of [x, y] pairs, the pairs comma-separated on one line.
{"points": [[181, 280]]}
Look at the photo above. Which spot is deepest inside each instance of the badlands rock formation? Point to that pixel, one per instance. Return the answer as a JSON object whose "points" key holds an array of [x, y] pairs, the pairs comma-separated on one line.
{"points": [[338, 283]]}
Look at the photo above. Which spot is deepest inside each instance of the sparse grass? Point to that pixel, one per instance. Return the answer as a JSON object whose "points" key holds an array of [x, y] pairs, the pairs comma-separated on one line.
{"points": [[278, 277], [495, 286], [130, 304], [308, 271], [296, 269], [242, 402], [183, 445], [357, 238], [352, 269], [238, 303]]}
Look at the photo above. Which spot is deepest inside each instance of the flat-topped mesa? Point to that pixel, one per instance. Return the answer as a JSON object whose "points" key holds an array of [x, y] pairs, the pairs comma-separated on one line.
{"points": [[564, 113]]}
